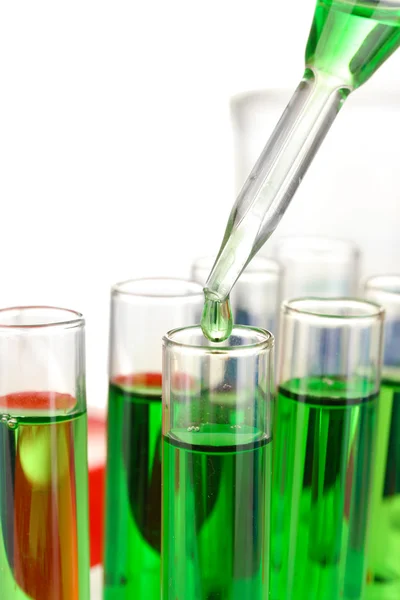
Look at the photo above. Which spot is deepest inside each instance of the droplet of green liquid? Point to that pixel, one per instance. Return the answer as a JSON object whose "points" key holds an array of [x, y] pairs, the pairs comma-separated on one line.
{"points": [[216, 322]]}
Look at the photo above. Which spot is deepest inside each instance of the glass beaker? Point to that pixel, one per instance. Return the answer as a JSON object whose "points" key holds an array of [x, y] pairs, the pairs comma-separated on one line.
{"points": [[44, 533], [141, 312], [324, 439], [257, 295], [216, 465], [384, 554], [319, 267]]}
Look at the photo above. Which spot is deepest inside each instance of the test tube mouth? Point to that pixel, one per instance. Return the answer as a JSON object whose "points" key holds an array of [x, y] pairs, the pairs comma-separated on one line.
{"points": [[316, 248], [388, 285], [38, 317], [159, 287], [333, 310], [243, 340]]}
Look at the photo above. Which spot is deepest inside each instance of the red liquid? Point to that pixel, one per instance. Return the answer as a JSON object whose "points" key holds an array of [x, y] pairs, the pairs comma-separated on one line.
{"points": [[43, 552], [97, 434]]}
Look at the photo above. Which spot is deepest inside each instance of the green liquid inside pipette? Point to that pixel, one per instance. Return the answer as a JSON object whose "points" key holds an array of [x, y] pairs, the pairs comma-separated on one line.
{"points": [[350, 39], [348, 42], [216, 322]]}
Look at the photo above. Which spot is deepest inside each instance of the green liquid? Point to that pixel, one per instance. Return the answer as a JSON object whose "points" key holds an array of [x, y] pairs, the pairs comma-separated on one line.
{"points": [[44, 545], [324, 433], [350, 39], [384, 555], [216, 322], [133, 495], [216, 508]]}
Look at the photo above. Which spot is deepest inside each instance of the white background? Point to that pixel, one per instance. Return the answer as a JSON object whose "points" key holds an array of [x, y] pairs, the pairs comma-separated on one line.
{"points": [[116, 156]]}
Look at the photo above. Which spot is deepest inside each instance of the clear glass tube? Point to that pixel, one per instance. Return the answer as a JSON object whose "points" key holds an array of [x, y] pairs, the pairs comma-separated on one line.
{"points": [[324, 440], [348, 41], [216, 465], [384, 563], [141, 312], [44, 533], [337, 179], [318, 266], [257, 295]]}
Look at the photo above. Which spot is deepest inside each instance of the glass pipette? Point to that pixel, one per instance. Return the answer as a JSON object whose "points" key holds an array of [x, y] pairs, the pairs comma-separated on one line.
{"points": [[348, 41]]}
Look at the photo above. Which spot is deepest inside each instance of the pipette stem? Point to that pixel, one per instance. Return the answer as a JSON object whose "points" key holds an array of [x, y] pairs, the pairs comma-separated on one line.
{"points": [[276, 176]]}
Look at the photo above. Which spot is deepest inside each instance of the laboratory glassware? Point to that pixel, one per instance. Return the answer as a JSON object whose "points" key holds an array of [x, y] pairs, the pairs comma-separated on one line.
{"points": [[337, 196], [348, 41], [257, 295], [319, 267], [141, 312], [384, 554], [216, 465], [324, 434], [44, 532]]}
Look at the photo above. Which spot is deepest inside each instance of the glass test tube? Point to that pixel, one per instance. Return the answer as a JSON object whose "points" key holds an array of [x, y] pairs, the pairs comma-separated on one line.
{"points": [[384, 554], [44, 533], [256, 296], [319, 267], [216, 465], [324, 436], [141, 312]]}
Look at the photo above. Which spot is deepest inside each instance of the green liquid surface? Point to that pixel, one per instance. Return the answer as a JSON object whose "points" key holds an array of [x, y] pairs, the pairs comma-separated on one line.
{"points": [[324, 433], [216, 322], [384, 554], [133, 495], [216, 512], [350, 39], [44, 545]]}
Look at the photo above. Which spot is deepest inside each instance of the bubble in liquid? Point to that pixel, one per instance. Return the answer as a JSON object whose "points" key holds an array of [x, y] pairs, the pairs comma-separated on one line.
{"points": [[4, 418], [12, 423]]}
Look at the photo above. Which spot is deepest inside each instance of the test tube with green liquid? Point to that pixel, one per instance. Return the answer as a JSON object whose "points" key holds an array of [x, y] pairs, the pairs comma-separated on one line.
{"points": [[384, 553], [44, 531], [216, 465], [324, 432], [141, 311]]}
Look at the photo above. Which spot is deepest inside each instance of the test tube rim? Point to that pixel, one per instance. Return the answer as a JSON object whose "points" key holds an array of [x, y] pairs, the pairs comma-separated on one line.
{"points": [[377, 312], [76, 319], [266, 344], [379, 289], [193, 290]]}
